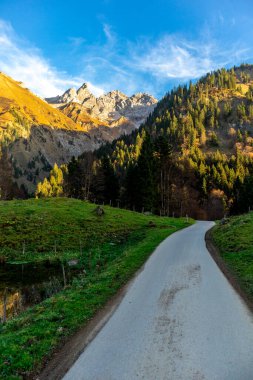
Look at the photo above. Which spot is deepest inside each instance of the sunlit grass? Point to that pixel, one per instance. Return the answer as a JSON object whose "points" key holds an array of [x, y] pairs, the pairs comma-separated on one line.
{"points": [[235, 243]]}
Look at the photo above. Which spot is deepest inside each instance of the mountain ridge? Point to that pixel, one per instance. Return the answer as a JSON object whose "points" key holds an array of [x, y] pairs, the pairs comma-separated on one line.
{"points": [[107, 108]]}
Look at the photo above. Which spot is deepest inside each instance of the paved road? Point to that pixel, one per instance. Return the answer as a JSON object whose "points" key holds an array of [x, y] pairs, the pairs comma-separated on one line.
{"points": [[180, 320]]}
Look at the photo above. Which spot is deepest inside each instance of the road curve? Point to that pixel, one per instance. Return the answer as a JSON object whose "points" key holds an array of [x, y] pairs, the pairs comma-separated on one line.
{"points": [[180, 320]]}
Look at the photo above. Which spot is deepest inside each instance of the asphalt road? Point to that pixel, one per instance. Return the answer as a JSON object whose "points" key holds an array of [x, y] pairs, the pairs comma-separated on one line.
{"points": [[180, 320]]}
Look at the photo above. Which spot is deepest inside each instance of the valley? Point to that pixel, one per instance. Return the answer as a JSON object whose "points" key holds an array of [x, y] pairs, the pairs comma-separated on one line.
{"points": [[126, 190]]}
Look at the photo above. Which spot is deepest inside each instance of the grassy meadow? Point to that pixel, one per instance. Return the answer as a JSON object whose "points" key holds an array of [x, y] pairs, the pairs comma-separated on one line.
{"points": [[235, 242], [109, 248]]}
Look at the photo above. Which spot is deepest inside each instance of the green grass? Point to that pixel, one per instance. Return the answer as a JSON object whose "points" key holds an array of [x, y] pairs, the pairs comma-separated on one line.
{"points": [[44, 226], [114, 246], [235, 243]]}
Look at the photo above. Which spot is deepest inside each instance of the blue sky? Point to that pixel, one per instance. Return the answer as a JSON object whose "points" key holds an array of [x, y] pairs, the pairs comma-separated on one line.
{"points": [[134, 46]]}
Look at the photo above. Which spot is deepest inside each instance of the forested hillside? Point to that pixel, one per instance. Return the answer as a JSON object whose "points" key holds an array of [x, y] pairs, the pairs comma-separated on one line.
{"points": [[194, 155]]}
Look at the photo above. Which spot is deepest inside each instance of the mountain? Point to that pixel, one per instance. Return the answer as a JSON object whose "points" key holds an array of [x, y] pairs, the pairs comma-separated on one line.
{"points": [[193, 155], [113, 110], [34, 135]]}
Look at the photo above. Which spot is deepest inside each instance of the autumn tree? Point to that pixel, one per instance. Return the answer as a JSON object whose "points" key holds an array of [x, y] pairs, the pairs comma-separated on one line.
{"points": [[52, 187]]}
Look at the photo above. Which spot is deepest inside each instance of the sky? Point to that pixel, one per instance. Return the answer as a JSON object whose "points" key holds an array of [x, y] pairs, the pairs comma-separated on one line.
{"points": [[132, 46]]}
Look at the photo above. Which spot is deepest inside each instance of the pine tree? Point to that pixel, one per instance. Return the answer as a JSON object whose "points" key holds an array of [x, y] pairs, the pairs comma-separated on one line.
{"points": [[6, 184], [111, 186], [146, 173]]}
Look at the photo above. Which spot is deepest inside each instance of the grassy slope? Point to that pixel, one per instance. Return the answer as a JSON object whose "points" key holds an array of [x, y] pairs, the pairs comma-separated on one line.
{"points": [[64, 223], [119, 243], [235, 243]]}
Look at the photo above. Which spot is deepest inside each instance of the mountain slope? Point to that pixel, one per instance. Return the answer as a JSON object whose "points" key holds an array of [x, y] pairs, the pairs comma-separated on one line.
{"points": [[15, 100], [35, 134], [194, 154]]}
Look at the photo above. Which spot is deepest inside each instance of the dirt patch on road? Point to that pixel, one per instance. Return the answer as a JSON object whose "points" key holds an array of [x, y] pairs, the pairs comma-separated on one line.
{"points": [[214, 251], [167, 295], [194, 274]]}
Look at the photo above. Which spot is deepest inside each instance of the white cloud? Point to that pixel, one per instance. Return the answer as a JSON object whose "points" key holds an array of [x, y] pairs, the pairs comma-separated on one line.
{"points": [[26, 64], [176, 58], [152, 65], [110, 35], [76, 42]]}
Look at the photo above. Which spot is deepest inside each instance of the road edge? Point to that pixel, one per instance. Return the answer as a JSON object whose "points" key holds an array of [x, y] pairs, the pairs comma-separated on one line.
{"points": [[232, 279], [63, 358]]}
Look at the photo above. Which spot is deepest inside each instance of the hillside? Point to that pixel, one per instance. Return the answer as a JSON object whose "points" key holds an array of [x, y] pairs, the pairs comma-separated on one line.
{"points": [[194, 153], [34, 135], [17, 102], [234, 240], [108, 250]]}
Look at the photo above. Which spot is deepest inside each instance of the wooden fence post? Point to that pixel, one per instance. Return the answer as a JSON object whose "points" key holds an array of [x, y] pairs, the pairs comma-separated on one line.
{"points": [[63, 274], [4, 306]]}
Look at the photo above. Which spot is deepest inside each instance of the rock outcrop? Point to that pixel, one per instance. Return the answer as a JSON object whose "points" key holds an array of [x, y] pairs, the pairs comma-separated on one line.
{"points": [[113, 109]]}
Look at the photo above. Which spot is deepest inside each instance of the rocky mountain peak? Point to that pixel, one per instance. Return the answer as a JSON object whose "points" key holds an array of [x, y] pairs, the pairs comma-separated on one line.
{"points": [[83, 87], [84, 94], [109, 108], [69, 95], [143, 98], [116, 94]]}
